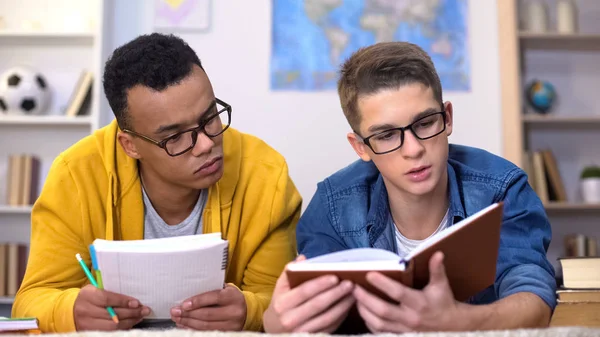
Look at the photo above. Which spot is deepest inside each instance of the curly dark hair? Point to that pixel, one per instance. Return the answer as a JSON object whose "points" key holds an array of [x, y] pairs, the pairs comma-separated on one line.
{"points": [[156, 61]]}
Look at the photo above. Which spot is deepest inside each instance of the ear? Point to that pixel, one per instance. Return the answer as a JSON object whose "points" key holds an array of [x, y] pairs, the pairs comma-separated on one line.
{"points": [[126, 141], [449, 117], [361, 149]]}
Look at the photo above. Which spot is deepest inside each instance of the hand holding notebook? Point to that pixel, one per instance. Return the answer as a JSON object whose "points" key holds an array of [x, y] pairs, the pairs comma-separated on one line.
{"points": [[161, 273]]}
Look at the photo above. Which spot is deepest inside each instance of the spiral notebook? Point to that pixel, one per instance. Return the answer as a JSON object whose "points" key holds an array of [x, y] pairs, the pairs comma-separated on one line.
{"points": [[161, 273]]}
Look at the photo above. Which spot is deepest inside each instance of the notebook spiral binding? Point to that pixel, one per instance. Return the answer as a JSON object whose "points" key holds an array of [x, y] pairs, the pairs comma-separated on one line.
{"points": [[225, 257]]}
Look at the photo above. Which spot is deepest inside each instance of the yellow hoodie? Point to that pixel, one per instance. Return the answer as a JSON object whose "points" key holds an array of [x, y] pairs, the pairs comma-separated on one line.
{"points": [[93, 191]]}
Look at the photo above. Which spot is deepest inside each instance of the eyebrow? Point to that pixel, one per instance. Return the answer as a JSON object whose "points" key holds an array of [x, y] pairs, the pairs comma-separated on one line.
{"points": [[386, 126], [178, 126]]}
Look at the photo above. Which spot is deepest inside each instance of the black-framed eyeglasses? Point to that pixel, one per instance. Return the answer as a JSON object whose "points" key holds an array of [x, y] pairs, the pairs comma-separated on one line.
{"points": [[181, 142], [423, 128]]}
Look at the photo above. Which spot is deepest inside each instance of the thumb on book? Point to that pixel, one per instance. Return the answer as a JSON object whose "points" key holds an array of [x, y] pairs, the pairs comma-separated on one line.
{"points": [[437, 271]]}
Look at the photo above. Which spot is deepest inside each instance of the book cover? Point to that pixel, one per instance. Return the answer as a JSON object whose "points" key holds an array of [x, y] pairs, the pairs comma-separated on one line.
{"points": [[470, 268]]}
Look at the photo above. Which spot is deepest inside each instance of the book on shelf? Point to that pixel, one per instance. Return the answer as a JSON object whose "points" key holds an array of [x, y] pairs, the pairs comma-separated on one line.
{"points": [[79, 102], [22, 178], [544, 176], [470, 268], [13, 262], [580, 245], [145, 269]]}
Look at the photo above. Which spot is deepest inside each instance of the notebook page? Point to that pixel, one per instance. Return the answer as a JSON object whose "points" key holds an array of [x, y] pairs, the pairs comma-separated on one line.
{"points": [[162, 280], [158, 245]]}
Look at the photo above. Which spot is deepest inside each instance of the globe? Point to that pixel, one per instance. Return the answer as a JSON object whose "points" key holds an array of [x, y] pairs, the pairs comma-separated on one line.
{"points": [[541, 95]]}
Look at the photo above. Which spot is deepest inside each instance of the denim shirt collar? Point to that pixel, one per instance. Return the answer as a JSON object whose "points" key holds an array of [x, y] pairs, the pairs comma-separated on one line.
{"points": [[379, 218]]}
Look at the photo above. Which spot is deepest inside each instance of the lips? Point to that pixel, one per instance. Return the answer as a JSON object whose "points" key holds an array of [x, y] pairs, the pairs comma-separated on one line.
{"points": [[208, 163], [418, 169]]}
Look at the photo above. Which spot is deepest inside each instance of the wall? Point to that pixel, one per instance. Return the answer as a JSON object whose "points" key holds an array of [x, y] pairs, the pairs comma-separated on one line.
{"points": [[309, 129]]}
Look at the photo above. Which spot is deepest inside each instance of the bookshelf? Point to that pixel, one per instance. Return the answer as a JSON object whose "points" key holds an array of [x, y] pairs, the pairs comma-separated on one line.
{"points": [[60, 49], [561, 121], [84, 36], [571, 129], [5, 209], [6, 300], [547, 41], [558, 207], [47, 120]]}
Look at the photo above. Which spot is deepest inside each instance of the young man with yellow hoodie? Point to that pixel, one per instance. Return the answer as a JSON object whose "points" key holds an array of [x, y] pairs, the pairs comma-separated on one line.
{"points": [[169, 165]]}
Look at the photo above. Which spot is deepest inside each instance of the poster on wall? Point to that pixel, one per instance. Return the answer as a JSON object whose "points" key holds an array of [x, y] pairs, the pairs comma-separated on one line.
{"points": [[312, 38], [182, 15]]}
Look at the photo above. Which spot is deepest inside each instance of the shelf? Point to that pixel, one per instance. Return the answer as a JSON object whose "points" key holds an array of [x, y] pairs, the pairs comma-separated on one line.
{"points": [[571, 207], [45, 120], [6, 300], [5, 209], [560, 121], [560, 41]]}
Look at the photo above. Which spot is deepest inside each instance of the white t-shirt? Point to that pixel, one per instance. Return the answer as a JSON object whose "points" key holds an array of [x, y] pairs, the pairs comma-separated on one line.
{"points": [[406, 245]]}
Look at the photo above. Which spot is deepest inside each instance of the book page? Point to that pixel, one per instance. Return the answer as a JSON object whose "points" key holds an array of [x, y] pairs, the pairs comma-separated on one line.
{"points": [[441, 235], [352, 259], [163, 279]]}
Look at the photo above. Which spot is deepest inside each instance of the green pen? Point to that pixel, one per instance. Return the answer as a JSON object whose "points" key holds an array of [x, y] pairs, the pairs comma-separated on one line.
{"points": [[111, 311]]}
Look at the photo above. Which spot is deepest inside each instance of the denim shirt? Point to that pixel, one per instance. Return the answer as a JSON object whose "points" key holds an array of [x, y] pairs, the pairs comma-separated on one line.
{"points": [[350, 210]]}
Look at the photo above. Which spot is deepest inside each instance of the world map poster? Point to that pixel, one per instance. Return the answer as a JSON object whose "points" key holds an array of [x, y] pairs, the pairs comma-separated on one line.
{"points": [[312, 38]]}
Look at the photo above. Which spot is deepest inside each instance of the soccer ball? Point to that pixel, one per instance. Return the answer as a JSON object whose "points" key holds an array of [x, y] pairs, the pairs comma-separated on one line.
{"points": [[23, 91]]}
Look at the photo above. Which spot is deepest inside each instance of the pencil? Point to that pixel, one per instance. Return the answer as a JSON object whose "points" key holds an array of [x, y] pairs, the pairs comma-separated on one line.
{"points": [[111, 311]]}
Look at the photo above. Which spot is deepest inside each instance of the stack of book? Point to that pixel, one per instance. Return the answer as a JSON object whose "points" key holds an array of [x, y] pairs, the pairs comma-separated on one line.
{"points": [[579, 296]]}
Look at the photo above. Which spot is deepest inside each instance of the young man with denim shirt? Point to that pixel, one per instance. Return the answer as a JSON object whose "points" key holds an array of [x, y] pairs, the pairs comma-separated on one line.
{"points": [[409, 184]]}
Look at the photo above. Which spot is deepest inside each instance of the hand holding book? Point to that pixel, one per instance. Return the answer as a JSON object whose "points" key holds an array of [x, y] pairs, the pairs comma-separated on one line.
{"points": [[424, 282], [431, 309], [318, 305]]}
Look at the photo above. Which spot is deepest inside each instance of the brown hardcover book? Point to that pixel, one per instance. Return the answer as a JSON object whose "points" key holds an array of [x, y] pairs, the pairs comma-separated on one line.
{"points": [[81, 93], [26, 186], [553, 176], [9, 181], [12, 270], [31, 176], [470, 250], [576, 314], [3, 268], [541, 184], [15, 180]]}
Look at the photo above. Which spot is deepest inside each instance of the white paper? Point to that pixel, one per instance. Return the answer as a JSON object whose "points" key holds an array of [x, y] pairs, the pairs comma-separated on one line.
{"points": [[352, 259], [162, 273]]}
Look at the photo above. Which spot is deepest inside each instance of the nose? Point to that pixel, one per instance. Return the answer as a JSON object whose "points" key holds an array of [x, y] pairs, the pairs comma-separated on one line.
{"points": [[412, 146], [203, 145]]}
